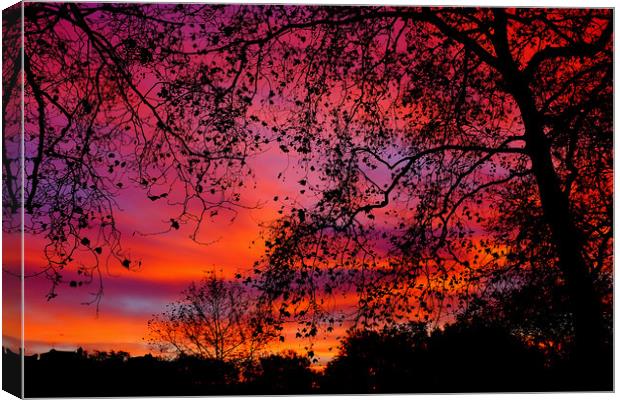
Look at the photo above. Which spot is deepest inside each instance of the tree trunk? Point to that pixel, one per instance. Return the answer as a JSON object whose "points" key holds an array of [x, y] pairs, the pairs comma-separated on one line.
{"points": [[586, 305], [589, 331]]}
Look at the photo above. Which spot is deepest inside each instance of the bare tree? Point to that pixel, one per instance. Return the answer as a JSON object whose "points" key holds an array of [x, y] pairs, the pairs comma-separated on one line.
{"points": [[215, 319]]}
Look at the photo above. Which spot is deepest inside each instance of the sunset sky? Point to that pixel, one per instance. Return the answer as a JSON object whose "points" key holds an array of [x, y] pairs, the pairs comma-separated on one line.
{"points": [[165, 261], [170, 262]]}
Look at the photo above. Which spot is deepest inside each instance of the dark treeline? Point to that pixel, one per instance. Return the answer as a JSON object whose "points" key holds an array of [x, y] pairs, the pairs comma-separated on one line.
{"points": [[462, 357]]}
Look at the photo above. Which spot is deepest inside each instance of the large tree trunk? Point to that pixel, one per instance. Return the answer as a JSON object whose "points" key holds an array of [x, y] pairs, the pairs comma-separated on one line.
{"points": [[589, 332], [586, 304]]}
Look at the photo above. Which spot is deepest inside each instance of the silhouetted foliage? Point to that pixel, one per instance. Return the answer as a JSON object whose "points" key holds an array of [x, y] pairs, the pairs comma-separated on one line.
{"points": [[285, 373], [63, 373], [113, 100], [77, 373], [11, 372], [479, 358], [449, 147], [392, 360], [461, 357], [539, 314], [446, 152]]}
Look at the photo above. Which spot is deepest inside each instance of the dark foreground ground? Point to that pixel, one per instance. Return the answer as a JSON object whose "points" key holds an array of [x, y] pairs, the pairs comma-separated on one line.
{"points": [[483, 360]]}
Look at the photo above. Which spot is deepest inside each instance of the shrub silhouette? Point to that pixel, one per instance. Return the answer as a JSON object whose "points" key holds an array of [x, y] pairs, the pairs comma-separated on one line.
{"points": [[285, 373], [482, 358], [377, 362], [459, 358]]}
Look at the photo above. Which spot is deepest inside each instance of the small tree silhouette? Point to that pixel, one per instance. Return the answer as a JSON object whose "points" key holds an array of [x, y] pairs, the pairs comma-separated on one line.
{"points": [[216, 319]]}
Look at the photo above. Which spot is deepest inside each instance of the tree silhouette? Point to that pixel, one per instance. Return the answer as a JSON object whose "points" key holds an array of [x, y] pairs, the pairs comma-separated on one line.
{"points": [[111, 102], [284, 373], [461, 357], [217, 320], [538, 314], [390, 360], [486, 122]]}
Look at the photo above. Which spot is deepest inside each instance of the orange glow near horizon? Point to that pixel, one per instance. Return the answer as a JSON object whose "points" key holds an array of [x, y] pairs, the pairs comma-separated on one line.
{"points": [[169, 263]]}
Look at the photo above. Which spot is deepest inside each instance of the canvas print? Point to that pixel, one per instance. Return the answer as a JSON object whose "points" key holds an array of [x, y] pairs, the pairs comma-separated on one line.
{"points": [[218, 199]]}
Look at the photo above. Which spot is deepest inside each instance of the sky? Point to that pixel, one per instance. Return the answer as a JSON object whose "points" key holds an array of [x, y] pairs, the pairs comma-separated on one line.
{"points": [[170, 262]]}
